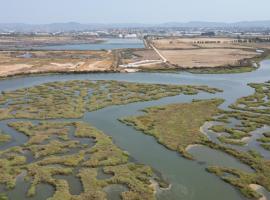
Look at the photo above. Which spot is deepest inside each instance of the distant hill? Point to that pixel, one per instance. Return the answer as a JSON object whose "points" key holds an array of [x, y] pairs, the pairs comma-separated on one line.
{"points": [[241, 24], [73, 26]]}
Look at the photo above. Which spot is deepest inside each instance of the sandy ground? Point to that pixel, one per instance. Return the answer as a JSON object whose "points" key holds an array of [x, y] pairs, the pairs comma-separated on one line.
{"points": [[257, 188], [156, 188], [259, 45], [11, 63], [189, 147], [206, 57]]}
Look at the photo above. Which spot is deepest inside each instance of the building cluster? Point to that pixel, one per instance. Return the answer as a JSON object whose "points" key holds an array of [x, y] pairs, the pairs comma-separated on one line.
{"points": [[141, 32]]}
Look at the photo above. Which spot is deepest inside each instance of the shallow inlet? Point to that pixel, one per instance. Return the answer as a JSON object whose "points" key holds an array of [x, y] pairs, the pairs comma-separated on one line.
{"points": [[43, 191], [189, 179], [75, 185], [211, 157], [114, 191]]}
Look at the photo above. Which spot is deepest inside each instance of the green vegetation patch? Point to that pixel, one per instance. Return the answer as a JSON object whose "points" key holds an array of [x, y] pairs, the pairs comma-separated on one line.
{"points": [[60, 152], [72, 98], [266, 146], [4, 137], [222, 70], [241, 179], [79, 150], [3, 197], [252, 112], [177, 125]]}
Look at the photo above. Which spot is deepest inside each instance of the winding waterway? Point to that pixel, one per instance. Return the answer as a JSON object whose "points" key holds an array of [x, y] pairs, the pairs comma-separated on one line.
{"points": [[189, 179]]}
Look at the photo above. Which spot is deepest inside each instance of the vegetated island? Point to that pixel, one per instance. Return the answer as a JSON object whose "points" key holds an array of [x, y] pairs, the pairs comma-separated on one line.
{"points": [[177, 127], [72, 99], [56, 150]]}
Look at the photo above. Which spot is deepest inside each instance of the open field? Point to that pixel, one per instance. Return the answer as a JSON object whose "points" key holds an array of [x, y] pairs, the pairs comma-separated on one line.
{"points": [[30, 62], [258, 45], [202, 54], [207, 57], [193, 43]]}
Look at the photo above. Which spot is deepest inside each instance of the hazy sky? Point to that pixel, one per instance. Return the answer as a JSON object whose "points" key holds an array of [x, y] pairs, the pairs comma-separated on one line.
{"points": [[127, 11]]}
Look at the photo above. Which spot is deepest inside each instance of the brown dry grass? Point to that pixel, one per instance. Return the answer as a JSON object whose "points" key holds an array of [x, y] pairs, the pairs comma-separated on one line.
{"points": [[207, 57], [259, 45], [193, 43], [173, 44]]}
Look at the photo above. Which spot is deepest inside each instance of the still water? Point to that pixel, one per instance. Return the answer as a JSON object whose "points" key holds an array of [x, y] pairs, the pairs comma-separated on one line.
{"points": [[189, 179], [108, 44]]}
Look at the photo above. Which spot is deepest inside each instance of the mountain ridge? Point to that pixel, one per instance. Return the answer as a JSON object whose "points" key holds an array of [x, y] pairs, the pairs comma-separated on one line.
{"points": [[75, 26]]}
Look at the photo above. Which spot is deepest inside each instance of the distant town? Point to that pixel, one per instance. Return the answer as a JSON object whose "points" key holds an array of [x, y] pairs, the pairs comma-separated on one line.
{"points": [[139, 31]]}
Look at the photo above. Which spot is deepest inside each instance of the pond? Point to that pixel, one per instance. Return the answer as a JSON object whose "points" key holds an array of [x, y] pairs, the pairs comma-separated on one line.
{"points": [[108, 44]]}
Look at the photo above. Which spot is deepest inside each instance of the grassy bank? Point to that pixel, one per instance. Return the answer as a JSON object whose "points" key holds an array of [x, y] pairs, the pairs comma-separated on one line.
{"points": [[4, 137], [176, 126], [241, 179], [222, 70]]}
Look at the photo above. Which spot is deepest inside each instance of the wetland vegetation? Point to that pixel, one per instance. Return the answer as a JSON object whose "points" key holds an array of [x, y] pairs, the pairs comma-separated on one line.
{"points": [[56, 148], [50, 144], [251, 113], [177, 126], [60, 146], [72, 99], [4, 137]]}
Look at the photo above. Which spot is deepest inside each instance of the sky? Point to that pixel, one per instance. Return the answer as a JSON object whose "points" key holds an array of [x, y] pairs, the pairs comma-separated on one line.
{"points": [[128, 11]]}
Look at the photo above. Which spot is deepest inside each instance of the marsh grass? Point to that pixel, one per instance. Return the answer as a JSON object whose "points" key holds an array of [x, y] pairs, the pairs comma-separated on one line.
{"points": [[55, 152], [222, 70], [50, 160], [252, 112], [176, 126], [4, 137], [241, 179], [71, 99]]}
